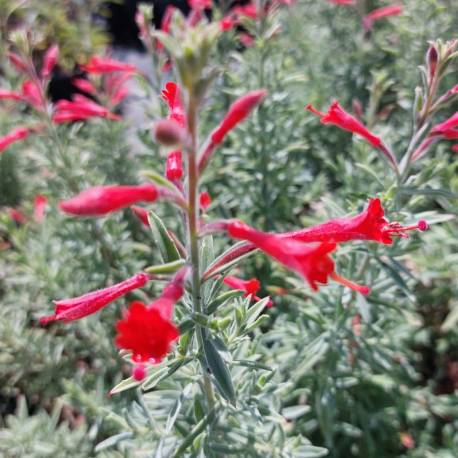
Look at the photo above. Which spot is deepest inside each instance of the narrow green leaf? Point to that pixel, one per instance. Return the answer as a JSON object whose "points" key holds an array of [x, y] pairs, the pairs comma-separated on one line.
{"points": [[126, 384], [194, 433], [293, 412], [221, 375], [255, 310], [157, 178], [221, 300], [167, 268], [164, 242], [113, 440]]}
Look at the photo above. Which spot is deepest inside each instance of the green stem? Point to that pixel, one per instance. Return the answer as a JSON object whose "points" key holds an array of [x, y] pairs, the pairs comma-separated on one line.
{"points": [[193, 235]]}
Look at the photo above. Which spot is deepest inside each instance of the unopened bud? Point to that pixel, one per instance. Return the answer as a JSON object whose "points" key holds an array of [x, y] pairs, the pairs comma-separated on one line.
{"points": [[431, 61], [168, 132]]}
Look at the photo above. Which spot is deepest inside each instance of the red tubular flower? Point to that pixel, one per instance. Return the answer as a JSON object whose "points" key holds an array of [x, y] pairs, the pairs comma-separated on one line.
{"points": [[204, 200], [379, 13], [116, 88], [200, 4], [148, 331], [172, 95], [80, 109], [238, 111], [165, 24], [17, 215], [100, 65], [84, 85], [39, 207], [10, 95], [20, 133], [249, 10], [49, 61], [141, 214], [310, 261], [228, 22], [174, 166], [32, 94], [447, 130], [338, 116], [101, 200], [370, 224], [342, 2], [89, 303], [455, 148], [18, 62], [450, 123], [250, 287]]}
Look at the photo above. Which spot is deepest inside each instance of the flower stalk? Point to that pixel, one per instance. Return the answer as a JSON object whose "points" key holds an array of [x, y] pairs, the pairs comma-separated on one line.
{"points": [[193, 235]]}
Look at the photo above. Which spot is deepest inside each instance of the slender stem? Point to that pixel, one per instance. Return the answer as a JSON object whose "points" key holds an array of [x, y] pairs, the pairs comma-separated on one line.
{"points": [[193, 235]]}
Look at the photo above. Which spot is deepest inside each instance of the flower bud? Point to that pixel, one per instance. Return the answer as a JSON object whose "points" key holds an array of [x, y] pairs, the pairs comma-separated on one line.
{"points": [[431, 62], [168, 132]]}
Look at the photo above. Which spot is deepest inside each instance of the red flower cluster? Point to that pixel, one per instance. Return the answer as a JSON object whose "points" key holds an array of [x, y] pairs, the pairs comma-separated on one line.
{"points": [[101, 200], [32, 92], [370, 224], [87, 304]]}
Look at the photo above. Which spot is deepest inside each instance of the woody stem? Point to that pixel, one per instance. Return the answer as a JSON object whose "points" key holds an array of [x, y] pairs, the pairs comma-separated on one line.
{"points": [[193, 235]]}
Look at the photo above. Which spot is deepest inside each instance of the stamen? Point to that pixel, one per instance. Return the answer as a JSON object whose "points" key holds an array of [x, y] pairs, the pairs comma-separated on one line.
{"points": [[397, 228], [311, 108], [362, 289]]}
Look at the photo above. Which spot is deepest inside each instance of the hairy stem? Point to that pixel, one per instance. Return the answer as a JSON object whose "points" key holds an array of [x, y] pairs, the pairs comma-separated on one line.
{"points": [[193, 235]]}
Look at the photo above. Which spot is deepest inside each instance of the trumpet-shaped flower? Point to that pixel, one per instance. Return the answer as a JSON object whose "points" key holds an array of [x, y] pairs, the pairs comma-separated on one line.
{"points": [[339, 117], [172, 95], [311, 261], [250, 287], [101, 200], [237, 112], [379, 13], [147, 330], [80, 109], [174, 165], [370, 224], [20, 133], [100, 65], [89, 303]]}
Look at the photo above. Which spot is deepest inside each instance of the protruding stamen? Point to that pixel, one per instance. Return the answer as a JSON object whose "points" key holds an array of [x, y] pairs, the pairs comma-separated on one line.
{"points": [[398, 229], [362, 289], [312, 109]]}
